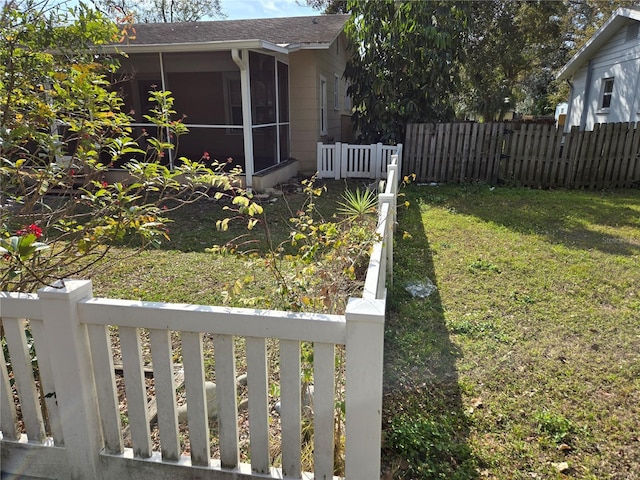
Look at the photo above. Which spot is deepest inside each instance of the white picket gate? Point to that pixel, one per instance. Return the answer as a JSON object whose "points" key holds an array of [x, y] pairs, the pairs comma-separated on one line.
{"points": [[342, 160], [76, 385]]}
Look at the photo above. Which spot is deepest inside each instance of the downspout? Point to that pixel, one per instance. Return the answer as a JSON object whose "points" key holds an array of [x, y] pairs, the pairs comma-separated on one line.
{"points": [[567, 126], [587, 89], [245, 87]]}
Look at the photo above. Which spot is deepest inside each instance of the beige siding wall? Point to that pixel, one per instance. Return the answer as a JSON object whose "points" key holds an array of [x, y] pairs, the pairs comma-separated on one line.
{"points": [[303, 110], [305, 69], [331, 62]]}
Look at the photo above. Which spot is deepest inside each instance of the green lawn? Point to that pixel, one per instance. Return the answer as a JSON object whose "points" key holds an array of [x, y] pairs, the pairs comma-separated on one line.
{"points": [[525, 363]]}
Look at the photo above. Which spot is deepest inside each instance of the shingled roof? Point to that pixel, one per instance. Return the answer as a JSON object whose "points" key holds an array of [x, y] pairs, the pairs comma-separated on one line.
{"points": [[303, 31]]}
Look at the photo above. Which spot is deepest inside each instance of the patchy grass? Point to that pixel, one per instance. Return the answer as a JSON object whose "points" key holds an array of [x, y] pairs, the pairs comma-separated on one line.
{"points": [[182, 270], [525, 362]]}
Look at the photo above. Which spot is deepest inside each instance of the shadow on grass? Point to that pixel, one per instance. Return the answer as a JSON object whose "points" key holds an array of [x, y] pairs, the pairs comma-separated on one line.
{"points": [[574, 218], [425, 427]]}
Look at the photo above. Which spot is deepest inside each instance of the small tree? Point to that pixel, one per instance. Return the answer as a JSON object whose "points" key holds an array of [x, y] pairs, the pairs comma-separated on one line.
{"points": [[405, 63], [60, 129]]}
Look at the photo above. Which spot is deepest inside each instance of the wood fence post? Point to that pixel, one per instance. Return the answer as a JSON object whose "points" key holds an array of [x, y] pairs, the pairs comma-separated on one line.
{"points": [[363, 402], [336, 160], [73, 378]]}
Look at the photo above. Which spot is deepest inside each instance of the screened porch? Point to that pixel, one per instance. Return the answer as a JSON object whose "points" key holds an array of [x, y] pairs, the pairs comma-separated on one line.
{"points": [[210, 92]]}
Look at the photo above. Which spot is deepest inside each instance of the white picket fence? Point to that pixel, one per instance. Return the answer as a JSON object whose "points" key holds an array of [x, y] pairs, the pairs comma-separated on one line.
{"points": [[341, 160], [76, 386]]}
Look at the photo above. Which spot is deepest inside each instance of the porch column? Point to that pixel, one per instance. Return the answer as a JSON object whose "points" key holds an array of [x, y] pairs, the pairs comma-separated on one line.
{"points": [[245, 87]]}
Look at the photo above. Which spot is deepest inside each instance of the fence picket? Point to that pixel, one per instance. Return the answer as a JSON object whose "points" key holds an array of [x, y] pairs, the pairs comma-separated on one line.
{"points": [[544, 143], [623, 151], [102, 357], [323, 409], [258, 406], [469, 151], [529, 159], [591, 173], [553, 159], [14, 330], [136, 392], [47, 383], [192, 361], [439, 154], [495, 152], [430, 138], [225, 366], [422, 131], [8, 417], [478, 149], [535, 163], [165, 393], [633, 169], [587, 154], [613, 153], [290, 395]]}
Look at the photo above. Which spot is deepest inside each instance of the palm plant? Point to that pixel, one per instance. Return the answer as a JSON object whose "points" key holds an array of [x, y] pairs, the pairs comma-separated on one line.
{"points": [[356, 205]]}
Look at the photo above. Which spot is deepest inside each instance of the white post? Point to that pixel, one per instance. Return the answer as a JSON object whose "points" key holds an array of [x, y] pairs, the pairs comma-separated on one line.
{"points": [[399, 154], [390, 226], [336, 160], [73, 376], [377, 168], [245, 89], [344, 160], [364, 352], [319, 159]]}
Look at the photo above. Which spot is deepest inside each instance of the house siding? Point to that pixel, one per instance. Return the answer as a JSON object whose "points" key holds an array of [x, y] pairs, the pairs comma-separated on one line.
{"points": [[303, 107], [619, 58], [306, 67]]}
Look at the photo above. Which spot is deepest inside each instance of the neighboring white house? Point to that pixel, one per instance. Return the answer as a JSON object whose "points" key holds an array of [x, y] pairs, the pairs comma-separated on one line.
{"points": [[604, 74]]}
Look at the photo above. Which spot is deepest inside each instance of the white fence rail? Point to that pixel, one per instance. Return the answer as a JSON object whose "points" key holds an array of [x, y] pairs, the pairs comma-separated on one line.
{"points": [[65, 422], [341, 160]]}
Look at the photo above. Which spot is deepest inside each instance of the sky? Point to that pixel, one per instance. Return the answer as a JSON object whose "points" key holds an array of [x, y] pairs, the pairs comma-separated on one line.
{"points": [[238, 9]]}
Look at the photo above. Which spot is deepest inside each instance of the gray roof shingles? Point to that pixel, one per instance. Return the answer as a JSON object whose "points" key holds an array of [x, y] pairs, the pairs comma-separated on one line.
{"points": [[320, 29]]}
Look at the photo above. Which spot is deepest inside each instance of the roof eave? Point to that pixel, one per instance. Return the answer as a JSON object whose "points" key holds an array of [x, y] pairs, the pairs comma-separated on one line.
{"points": [[294, 47], [198, 47], [596, 41]]}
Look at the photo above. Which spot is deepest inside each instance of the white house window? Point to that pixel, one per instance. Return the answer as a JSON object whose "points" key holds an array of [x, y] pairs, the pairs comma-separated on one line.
{"points": [[336, 92], [323, 105], [347, 98], [607, 90]]}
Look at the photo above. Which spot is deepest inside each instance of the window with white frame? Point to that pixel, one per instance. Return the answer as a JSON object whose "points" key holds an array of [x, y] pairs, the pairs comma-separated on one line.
{"points": [[323, 105], [347, 98], [336, 92], [607, 90]]}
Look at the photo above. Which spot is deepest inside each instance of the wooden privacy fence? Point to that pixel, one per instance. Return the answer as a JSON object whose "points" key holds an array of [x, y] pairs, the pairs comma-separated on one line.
{"points": [[534, 155], [61, 420], [342, 160]]}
